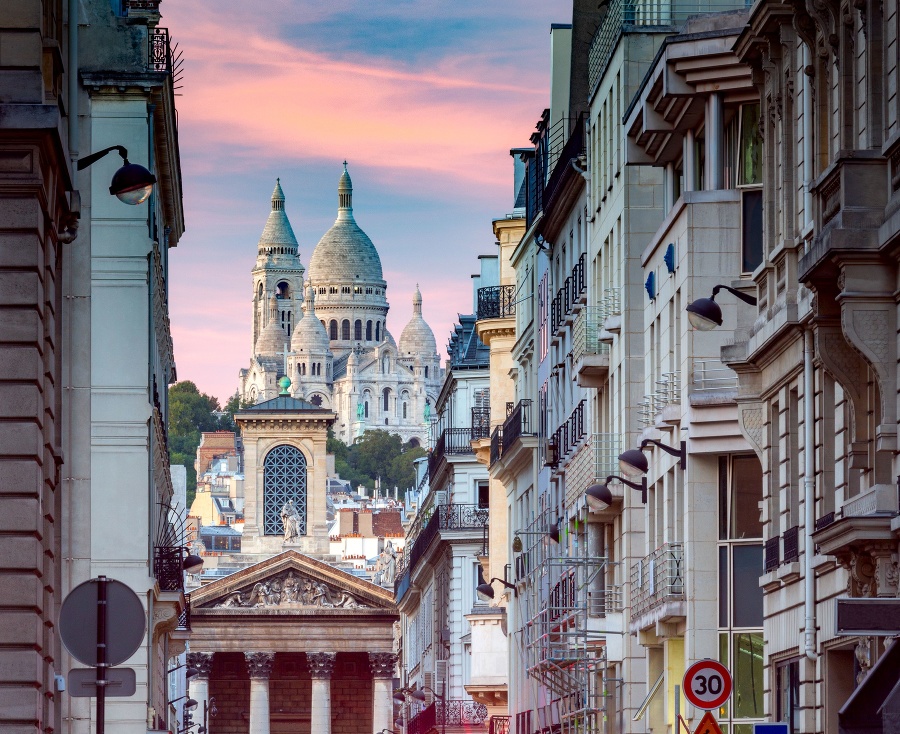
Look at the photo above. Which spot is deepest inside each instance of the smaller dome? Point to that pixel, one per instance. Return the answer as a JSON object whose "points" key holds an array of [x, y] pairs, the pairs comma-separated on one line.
{"points": [[417, 338], [272, 340], [309, 334], [278, 230]]}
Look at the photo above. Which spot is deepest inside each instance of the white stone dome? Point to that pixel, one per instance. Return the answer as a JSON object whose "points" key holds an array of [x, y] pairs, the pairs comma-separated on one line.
{"points": [[417, 338], [309, 333], [278, 232], [345, 252]]}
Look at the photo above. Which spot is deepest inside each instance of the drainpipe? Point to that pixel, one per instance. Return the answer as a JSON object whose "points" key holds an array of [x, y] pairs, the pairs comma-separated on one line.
{"points": [[807, 138], [809, 498], [73, 79]]}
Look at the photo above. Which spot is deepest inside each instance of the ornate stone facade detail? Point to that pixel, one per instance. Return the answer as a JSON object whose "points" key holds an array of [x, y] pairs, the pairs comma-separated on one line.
{"points": [[202, 661], [292, 590], [863, 653], [750, 421], [321, 664], [259, 664], [382, 664], [861, 582], [886, 572]]}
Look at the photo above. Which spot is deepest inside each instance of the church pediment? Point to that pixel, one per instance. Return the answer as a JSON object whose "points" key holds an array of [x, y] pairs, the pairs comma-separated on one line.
{"points": [[289, 582]]}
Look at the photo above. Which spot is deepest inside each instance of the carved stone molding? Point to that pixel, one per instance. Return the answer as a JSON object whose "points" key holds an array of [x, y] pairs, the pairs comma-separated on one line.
{"points": [[382, 664], [290, 589], [321, 664], [259, 664], [863, 653], [886, 571], [165, 618], [202, 661], [750, 423]]}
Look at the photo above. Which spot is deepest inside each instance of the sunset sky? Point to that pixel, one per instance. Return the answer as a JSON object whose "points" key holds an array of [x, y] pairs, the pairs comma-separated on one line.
{"points": [[424, 99]]}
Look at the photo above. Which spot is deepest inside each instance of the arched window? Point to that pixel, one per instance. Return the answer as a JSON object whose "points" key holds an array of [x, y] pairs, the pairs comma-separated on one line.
{"points": [[345, 330], [377, 331], [333, 330], [414, 443], [284, 480], [368, 331], [387, 396], [367, 409], [426, 371], [357, 330], [404, 410], [283, 290], [259, 292]]}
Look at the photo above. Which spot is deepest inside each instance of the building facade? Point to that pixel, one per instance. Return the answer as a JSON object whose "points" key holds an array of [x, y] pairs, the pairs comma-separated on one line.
{"points": [[326, 329]]}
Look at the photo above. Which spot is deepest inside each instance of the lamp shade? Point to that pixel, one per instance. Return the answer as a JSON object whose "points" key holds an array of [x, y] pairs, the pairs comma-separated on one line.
{"points": [[553, 533], [189, 705], [399, 697], [192, 564], [485, 591], [704, 314], [599, 497], [418, 695], [633, 463], [132, 184]]}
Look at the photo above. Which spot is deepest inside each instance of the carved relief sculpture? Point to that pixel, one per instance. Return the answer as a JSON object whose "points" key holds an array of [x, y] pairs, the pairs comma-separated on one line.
{"points": [[290, 589]]}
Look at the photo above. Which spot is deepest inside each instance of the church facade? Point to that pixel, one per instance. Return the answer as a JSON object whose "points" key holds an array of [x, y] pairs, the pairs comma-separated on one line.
{"points": [[325, 328]]}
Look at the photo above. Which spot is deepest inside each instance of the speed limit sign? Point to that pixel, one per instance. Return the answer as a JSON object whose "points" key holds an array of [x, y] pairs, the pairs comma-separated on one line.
{"points": [[707, 684]]}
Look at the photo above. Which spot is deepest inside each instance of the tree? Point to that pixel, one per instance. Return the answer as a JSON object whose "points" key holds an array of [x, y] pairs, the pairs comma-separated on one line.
{"points": [[377, 455]]}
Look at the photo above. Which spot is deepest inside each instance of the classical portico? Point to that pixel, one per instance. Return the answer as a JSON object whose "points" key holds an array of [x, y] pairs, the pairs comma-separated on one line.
{"points": [[293, 645]]}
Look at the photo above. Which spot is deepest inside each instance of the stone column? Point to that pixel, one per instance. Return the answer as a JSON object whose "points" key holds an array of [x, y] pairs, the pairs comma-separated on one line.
{"points": [[198, 687], [382, 665], [259, 667], [321, 666]]}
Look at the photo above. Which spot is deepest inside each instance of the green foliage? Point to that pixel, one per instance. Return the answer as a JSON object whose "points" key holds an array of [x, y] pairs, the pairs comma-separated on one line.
{"points": [[191, 413], [376, 454]]}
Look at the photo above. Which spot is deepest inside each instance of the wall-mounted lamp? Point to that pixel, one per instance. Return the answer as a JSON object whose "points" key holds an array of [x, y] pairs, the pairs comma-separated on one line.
{"points": [[599, 496], [487, 591], [188, 674], [192, 564], [633, 463], [188, 705], [131, 184], [705, 314]]}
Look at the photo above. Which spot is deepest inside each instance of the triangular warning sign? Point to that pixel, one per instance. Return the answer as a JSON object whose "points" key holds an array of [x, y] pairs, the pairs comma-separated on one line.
{"points": [[708, 725]]}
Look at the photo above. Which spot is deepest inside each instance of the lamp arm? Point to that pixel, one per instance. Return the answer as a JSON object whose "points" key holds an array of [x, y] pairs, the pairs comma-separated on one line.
{"points": [[506, 584], [89, 160], [634, 485], [751, 300]]}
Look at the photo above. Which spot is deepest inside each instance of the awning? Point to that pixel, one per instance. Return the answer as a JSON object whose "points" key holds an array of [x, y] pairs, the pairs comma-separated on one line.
{"points": [[874, 707]]}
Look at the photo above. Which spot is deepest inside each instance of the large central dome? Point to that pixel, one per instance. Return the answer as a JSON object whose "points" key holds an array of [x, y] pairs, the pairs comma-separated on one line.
{"points": [[345, 253]]}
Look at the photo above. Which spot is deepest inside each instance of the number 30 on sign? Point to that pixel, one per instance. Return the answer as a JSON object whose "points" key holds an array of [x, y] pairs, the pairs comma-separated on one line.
{"points": [[707, 684]]}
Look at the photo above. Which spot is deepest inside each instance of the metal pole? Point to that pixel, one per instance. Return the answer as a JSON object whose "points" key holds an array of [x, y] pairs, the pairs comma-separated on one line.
{"points": [[101, 654], [444, 705]]}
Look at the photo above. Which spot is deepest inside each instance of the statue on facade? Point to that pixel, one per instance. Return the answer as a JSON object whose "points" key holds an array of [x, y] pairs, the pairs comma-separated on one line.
{"points": [[360, 411], [291, 589], [290, 518], [387, 565], [427, 411]]}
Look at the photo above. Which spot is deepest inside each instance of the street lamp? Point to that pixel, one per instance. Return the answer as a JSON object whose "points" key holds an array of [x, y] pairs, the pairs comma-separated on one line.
{"points": [[131, 184], [419, 695], [191, 564], [633, 463], [599, 497], [487, 591], [705, 314]]}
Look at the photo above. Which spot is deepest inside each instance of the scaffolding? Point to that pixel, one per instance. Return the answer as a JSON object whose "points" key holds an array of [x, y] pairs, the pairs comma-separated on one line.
{"points": [[564, 605]]}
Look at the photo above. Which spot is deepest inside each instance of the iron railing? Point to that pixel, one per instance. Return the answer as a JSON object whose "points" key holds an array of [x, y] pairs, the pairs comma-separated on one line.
{"points": [[457, 712], [452, 441], [571, 431], [560, 165], [159, 50], [711, 376], [657, 578], [496, 445], [791, 539], [825, 521], [568, 295], [496, 302], [586, 333], [168, 568], [595, 459], [424, 721], [184, 619], [518, 424], [481, 423], [772, 559], [499, 725]]}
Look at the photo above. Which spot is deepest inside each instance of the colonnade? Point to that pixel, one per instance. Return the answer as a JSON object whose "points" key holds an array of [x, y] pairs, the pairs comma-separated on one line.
{"points": [[320, 666]]}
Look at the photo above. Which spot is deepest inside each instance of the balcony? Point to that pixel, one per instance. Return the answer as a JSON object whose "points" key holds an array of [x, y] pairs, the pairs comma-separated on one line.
{"points": [[570, 294], [712, 383], [452, 442], [772, 554], [519, 423], [499, 725], [571, 432], [496, 446], [167, 567], [452, 517], [481, 423], [457, 713], [657, 587], [590, 356], [596, 459], [496, 302], [791, 541]]}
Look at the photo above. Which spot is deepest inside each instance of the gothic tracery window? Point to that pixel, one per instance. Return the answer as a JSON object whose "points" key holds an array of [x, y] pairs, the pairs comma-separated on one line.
{"points": [[284, 479]]}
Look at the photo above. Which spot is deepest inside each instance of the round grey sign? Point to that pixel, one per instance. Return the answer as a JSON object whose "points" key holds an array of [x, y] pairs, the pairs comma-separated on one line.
{"points": [[125, 622]]}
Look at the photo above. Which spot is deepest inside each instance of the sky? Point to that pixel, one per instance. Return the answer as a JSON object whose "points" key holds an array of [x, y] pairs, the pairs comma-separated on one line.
{"points": [[424, 99]]}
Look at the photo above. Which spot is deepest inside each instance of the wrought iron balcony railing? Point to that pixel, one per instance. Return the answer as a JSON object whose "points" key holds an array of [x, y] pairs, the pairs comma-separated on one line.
{"points": [[657, 578], [772, 552], [168, 568], [496, 302], [499, 725], [496, 445], [520, 423], [455, 713], [571, 431], [481, 423], [184, 619], [595, 459], [791, 539], [452, 441]]}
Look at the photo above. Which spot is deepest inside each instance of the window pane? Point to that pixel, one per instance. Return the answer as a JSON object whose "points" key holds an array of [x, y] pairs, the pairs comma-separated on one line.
{"points": [[723, 587], [723, 658], [751, 146], [723, 498], [752, 230], [747, 601], [746, 494], [747, 670]]}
